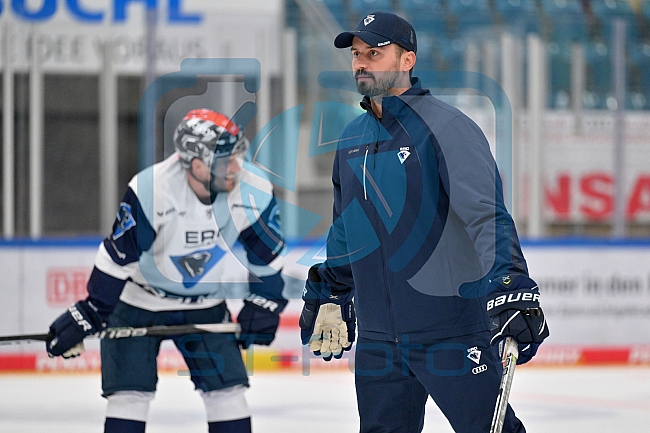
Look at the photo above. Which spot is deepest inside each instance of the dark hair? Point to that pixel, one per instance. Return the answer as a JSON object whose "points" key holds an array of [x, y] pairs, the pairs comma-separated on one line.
{"points": [[399, 50]]}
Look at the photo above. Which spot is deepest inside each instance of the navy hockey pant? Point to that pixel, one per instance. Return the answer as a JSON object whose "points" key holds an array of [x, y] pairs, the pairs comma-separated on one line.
{"points": [[130, 364], [461, 374]]}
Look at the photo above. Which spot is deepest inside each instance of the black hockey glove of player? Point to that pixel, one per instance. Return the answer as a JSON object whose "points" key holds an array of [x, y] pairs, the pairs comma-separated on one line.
{"points": [[70, 328], [514, 309], [328, 320], [259, 319]]}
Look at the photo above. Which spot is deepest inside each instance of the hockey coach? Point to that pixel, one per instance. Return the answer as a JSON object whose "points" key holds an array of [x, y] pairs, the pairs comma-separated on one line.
{"points": [[164, 265], [423, 246]]}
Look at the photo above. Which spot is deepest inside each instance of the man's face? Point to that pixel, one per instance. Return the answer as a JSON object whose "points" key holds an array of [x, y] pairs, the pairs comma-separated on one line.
{"points": [[376, 69], [225, 171]]}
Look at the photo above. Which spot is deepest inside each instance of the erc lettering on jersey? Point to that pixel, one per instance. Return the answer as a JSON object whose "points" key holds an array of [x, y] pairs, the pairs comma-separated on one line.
{"points": [[512, 297], [194, 238]]}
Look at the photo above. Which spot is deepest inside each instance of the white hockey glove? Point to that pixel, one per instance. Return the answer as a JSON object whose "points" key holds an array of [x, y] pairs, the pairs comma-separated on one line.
{"points": [[331, 330], [327, 321]]}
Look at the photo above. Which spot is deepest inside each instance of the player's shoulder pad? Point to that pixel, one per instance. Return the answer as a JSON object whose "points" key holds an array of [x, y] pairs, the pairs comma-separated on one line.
{"points": [[146, 184]]}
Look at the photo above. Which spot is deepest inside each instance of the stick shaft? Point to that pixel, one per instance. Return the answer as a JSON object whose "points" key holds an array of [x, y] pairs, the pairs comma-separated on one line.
{"points": [[509, 361], [218, 328]]}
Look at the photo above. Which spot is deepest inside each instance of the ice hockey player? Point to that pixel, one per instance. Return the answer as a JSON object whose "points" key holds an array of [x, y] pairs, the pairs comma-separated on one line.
{"points": [[165, 264]]}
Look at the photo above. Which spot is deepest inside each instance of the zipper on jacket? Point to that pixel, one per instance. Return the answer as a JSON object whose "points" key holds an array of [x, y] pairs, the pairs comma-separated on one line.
{"points": [[376, 150], [365, 158]]}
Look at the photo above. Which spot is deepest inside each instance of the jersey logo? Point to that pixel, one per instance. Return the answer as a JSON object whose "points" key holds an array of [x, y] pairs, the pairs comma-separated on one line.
{"points": [[403, 154], [125, 220], [196, 265], [474, 354]]}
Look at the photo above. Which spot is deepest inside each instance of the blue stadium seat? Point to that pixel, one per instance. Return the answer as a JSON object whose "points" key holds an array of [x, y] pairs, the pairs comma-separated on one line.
{"points": [[639, 83], [521, 15], [559, 59], [606, 11], [361, 8], [419, 5], [449, 55], [554, 8], [338, 10], [425, 16], [599, 74], [645, 9], [602, 8], [292, 14], [425, 56], [435, 26], [644, 24], [567, 19], [469, 15], [467, 6]]}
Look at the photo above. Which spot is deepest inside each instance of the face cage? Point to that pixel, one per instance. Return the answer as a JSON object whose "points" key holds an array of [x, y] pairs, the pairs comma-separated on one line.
{"points": [[221, 171]]}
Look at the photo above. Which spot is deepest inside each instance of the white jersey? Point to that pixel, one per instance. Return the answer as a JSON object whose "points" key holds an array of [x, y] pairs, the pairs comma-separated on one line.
{"points": [[172, 251]]}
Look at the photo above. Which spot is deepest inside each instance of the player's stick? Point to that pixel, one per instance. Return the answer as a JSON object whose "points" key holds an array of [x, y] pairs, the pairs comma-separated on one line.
{"points": [[218, 328], [509, 361]]}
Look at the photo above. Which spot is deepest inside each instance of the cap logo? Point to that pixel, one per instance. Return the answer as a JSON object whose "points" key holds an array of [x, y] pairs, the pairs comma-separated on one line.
{"points": [[367, 20], [381, 44]]}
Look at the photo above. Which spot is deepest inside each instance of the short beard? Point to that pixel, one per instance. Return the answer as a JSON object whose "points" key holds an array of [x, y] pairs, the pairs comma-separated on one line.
{"points": [[218, 174], [379, 83]]}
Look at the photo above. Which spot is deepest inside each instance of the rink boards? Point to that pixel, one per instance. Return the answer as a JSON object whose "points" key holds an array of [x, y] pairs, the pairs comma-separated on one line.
{"points": [[596, 297]]}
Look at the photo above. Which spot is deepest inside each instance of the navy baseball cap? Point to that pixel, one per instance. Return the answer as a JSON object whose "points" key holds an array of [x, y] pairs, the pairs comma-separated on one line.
{"points": [[379, 29]]}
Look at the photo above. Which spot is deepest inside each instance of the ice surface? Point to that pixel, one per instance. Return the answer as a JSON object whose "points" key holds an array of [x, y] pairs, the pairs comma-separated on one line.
{"points": [[558, 400]]}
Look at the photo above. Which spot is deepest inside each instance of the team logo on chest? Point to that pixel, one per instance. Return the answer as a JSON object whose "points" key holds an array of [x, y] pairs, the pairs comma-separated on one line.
{"points": [[403, 154], [193, 267]]}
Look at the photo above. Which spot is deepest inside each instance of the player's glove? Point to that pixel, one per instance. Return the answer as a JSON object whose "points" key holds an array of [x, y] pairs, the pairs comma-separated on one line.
{"points": [[515, 312], [327, 321], [70, 328], [259, 319]]}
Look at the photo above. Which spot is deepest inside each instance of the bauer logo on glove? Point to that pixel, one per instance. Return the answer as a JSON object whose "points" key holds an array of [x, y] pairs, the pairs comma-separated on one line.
{"points": [[515, 297], [259, 319], [68, 330], [515, 312]]}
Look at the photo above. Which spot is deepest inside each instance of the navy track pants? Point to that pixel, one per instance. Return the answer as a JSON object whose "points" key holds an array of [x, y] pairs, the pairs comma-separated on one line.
{"points": [[461, 374]]}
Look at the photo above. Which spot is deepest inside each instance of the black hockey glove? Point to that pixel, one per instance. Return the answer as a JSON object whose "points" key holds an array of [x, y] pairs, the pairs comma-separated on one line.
{"points": [[68, 331], [328, 320], [259, 319], [514, 309]]}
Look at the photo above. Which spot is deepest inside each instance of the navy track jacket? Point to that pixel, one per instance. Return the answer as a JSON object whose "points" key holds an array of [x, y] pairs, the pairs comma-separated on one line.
{"points": [[419, 223]]}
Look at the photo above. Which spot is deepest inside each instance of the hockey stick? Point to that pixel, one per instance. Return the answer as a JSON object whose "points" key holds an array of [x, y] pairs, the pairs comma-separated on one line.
{"points": [[214, 328], [509, 361]]}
